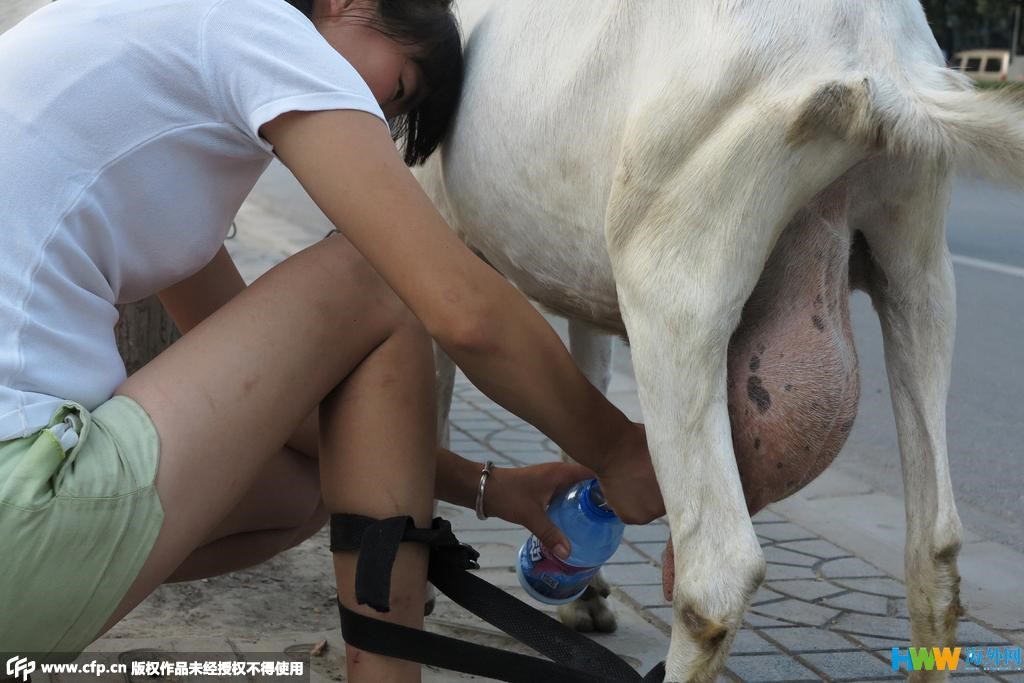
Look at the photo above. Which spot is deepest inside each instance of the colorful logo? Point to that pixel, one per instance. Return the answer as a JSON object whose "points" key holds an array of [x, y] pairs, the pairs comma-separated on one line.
{"points": [[987, 658], [925, 658]]}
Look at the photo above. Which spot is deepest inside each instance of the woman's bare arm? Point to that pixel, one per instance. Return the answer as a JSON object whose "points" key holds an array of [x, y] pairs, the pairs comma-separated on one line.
{"points": [[348, 164], [516, 496], [192, 300]]}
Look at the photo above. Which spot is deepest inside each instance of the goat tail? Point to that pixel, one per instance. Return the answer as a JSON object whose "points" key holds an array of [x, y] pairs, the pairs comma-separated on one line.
{"points": [[982, 130], [942, 117]]}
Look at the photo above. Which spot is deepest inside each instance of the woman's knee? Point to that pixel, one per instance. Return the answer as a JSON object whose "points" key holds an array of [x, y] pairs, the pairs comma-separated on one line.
{"points": [[373, 289], [314, 524]]}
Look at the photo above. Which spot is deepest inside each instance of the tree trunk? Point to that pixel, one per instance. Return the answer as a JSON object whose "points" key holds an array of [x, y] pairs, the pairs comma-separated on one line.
{"points": [[143, 331]]}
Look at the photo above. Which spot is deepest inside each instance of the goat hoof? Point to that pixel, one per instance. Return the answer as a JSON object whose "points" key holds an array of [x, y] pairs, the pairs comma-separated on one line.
{"points": [[589, 613]]}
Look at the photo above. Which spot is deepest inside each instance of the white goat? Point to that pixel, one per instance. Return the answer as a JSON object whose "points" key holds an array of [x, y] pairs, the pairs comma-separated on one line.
{"points": [[709, 179]]}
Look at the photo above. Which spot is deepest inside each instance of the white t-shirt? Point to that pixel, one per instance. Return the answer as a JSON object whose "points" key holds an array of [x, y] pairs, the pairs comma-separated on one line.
{"points": [[128, 141]]}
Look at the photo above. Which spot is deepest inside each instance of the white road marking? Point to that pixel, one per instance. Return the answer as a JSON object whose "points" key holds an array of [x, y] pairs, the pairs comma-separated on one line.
{"points": [[988, 265]]}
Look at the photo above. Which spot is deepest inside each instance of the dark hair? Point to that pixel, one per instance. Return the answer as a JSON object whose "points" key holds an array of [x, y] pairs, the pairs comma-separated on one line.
{"points": [[430, 27]]}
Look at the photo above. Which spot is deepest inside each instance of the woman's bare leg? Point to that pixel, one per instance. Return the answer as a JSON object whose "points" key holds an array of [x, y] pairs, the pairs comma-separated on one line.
{"points": [[227, 396], [243, 550], [282, 509], [383, 420]]}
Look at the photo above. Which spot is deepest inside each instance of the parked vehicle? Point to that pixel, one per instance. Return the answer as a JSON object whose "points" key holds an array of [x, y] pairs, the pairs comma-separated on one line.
{"points": [[989, 65]]}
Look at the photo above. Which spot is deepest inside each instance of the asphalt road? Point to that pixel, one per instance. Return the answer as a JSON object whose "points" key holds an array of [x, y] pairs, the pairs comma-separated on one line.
{"points": [[985, 416], [985, 411]]}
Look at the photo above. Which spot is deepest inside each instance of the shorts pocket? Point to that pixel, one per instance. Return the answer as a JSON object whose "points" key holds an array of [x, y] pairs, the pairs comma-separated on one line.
{"points": [[30, 467], [103, 464]]}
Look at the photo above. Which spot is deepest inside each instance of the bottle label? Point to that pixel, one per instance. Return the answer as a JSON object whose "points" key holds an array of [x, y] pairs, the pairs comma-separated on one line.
{"points": [[549, 576]]}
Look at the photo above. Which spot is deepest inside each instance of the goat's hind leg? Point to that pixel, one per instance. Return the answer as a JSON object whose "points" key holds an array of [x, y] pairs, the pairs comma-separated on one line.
{"points": [[910, 279]]}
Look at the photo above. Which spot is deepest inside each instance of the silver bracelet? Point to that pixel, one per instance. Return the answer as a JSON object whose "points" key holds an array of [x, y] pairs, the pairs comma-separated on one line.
{"points": [[486, 472]]}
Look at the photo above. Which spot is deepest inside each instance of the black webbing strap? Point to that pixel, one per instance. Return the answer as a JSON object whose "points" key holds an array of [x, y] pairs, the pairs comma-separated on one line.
{"points": [[576, 658], [378, 539]]}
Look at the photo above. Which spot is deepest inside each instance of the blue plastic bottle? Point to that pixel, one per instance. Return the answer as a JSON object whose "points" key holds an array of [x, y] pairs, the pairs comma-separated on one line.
{"points": [[594, 532]]}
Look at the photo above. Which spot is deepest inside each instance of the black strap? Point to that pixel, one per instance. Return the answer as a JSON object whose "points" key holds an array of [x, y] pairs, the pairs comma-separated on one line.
{"points": [[379, 539], [576, 657], [395, 640]]}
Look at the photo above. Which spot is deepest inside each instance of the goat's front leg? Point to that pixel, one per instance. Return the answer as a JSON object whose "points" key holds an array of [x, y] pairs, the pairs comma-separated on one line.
{"points": [[680, 360], [592, 351], [689, 231]]}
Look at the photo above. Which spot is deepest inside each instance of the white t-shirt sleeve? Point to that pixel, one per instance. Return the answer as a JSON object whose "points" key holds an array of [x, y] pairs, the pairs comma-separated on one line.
{"points": [[262, 58]]}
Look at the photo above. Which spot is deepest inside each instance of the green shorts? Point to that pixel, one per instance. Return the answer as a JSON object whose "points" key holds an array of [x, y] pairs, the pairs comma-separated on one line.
{"points": [[76, 526]]}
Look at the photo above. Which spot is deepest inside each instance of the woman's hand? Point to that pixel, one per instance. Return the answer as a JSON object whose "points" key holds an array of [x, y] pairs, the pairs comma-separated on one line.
{"points": [[627, 478], [521, 495]]}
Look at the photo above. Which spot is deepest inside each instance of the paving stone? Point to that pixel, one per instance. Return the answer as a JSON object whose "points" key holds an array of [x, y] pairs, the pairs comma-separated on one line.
{"points": [[764, 594], [805, 638], [774, 554], [515, 448], [769, 668], [848, 666], [972, 633], [465, 525], [749, 642], [496, 412], [879, 586], [820, 548], [805, 589], [653, 550], [632, 574], [882, 643], [777, 572], [797, 611], [626, 554], [463, 438], [476, 425], [861, 602], [850, 567], [783, 531], [520, 435], [464, 411], [466, 446], [766, 515], [762, 622], [870, 625], [662, 613], [645, 596], [482, 454], [510, 537]]}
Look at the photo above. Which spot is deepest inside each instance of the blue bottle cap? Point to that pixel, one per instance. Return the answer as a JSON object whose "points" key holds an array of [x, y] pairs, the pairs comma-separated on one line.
{"points": [[593, 500]]}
